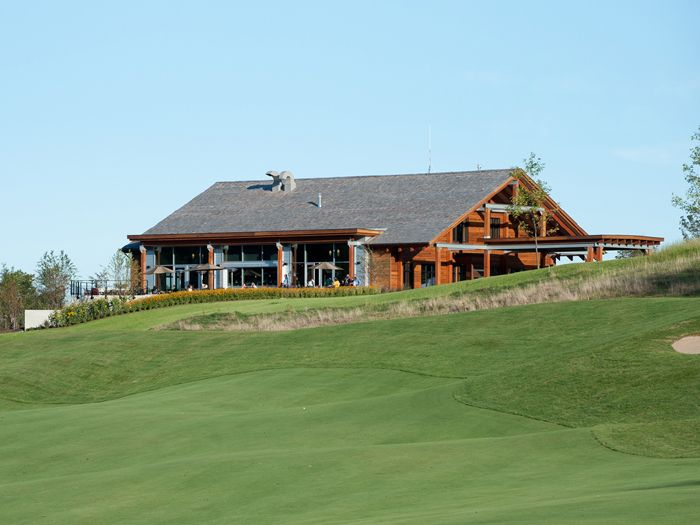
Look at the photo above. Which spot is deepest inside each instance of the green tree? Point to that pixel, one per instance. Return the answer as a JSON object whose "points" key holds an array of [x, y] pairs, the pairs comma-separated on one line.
{"points": [[117, 274], [53, 275], [690, 205], [527, 208], [17, 293]]}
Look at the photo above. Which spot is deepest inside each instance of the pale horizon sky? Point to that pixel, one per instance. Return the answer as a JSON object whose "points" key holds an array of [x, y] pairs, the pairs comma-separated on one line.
{"points": [[114, 115]]}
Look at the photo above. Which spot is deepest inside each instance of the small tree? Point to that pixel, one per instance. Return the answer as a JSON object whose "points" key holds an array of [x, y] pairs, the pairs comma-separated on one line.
{"points": [[527, 208], [690, 205], [53, 275], [134, 276], [120, 272], [17, 293]]}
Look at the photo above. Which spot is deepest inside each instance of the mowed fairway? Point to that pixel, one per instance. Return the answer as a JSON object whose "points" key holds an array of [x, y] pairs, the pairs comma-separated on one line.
{"points": [[488, 417], [322, 446]]}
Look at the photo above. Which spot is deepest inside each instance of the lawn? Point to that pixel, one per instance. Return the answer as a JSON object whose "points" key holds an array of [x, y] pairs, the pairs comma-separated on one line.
{"points": [[576, 412], [514, 415]]}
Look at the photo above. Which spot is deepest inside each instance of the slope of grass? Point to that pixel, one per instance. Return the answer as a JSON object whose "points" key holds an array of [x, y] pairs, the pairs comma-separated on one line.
{"points": [[578, 364], [487, 417]]}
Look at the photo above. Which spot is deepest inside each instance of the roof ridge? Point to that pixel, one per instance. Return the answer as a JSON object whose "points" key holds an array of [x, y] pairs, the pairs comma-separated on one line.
{"points": [[377, 176]]}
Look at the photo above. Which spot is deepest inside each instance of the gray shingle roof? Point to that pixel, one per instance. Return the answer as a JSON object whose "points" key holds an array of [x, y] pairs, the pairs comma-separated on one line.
{"points": [[411, 208]]}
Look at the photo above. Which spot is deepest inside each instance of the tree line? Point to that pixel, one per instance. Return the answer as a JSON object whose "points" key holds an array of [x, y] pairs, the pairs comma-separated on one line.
{"points": [[48, 287]]}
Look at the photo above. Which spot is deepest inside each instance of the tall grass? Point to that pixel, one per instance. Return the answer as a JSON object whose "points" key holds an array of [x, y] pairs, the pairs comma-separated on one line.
{"points": [[671, 272]]}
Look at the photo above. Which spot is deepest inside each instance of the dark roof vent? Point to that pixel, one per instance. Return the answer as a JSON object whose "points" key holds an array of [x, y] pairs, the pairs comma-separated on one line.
{"points": [[282, 181]]}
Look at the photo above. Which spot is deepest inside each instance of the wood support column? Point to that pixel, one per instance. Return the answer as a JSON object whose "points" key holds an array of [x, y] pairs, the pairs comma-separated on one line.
{"points": [[472, 274], [487, 263], [599, 254], [351, 262], [589, 254], [487, 223], [438, 265], [210, 260], [144, 280], [543, 225]]}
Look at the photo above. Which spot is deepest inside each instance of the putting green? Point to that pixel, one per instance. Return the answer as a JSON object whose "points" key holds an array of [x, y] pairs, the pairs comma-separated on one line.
{"points": [[320, 446]]}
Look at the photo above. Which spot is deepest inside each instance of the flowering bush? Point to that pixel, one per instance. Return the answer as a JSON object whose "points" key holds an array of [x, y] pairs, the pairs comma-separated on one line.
{"points": [[100, 308]]}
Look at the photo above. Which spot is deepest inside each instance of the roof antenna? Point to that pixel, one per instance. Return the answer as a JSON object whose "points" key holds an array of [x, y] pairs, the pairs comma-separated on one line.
{"points": [[430, 149]]}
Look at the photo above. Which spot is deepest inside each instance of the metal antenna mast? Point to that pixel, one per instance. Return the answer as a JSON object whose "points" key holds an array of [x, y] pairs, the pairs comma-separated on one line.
{"points": [[430, 148]]}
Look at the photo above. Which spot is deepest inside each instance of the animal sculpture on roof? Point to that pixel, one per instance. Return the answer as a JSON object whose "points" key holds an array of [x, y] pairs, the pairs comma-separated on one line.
{"points": [[282, 181]]}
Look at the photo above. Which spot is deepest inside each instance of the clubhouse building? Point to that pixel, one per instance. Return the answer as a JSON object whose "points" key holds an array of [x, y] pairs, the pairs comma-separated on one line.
{"points": [[391, 231]]}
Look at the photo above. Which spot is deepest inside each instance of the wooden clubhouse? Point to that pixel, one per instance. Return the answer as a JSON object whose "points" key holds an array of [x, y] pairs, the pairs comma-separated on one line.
{"points": [[391, 231]]}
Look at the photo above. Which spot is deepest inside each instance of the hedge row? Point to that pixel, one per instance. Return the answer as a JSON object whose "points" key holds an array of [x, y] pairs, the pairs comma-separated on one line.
{"points": [[99, 308]]}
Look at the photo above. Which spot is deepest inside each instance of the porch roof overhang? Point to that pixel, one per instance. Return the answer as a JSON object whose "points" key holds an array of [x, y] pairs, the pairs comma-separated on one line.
{"points": [[560, 244], [257, 236]]}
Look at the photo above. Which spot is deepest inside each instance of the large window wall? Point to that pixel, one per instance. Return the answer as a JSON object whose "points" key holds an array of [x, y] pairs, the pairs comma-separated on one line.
{"points": [[180, 259], [251, 264], [306, 256]]}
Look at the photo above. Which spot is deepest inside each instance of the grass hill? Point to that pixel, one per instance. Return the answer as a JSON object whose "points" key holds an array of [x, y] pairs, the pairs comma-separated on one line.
{"points": [[575, 411]]}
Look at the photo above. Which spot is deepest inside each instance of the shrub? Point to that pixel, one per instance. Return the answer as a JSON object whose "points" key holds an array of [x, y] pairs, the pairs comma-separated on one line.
{"points": [[99, 308]]}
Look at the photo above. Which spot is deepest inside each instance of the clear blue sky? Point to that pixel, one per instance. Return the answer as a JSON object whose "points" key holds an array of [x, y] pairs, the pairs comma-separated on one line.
{"points": [[112, 116]]}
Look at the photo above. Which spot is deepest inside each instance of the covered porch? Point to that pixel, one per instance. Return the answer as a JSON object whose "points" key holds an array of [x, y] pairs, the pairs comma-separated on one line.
{"points": [[589, 248]]}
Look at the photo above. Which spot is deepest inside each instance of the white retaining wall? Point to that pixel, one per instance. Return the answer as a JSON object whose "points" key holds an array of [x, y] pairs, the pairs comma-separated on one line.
{"points": [[36, 318]]}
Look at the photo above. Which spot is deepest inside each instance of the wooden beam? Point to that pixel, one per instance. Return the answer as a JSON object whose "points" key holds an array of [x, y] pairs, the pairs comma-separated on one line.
{"points": [[351, 261], [437, 265], [210, 273], [589, 254], [244, 237], [487, 263], [487, 223], [144, 279]]}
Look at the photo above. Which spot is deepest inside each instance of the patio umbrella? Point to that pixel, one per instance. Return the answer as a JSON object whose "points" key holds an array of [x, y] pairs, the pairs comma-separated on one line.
{"points": [[159, 270], [204, 267], [325, 266]]}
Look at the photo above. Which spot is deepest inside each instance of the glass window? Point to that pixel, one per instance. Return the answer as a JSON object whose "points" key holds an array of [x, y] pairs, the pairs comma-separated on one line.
{"points": [[298, 274], [269, 252], [427, 274], [252, 275], [269, 276], [252, 253], [234, 277], [319, 252], [187, 255], [495, 228], [233, 254], [166, 256], [342, 252], [460, 234]]}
